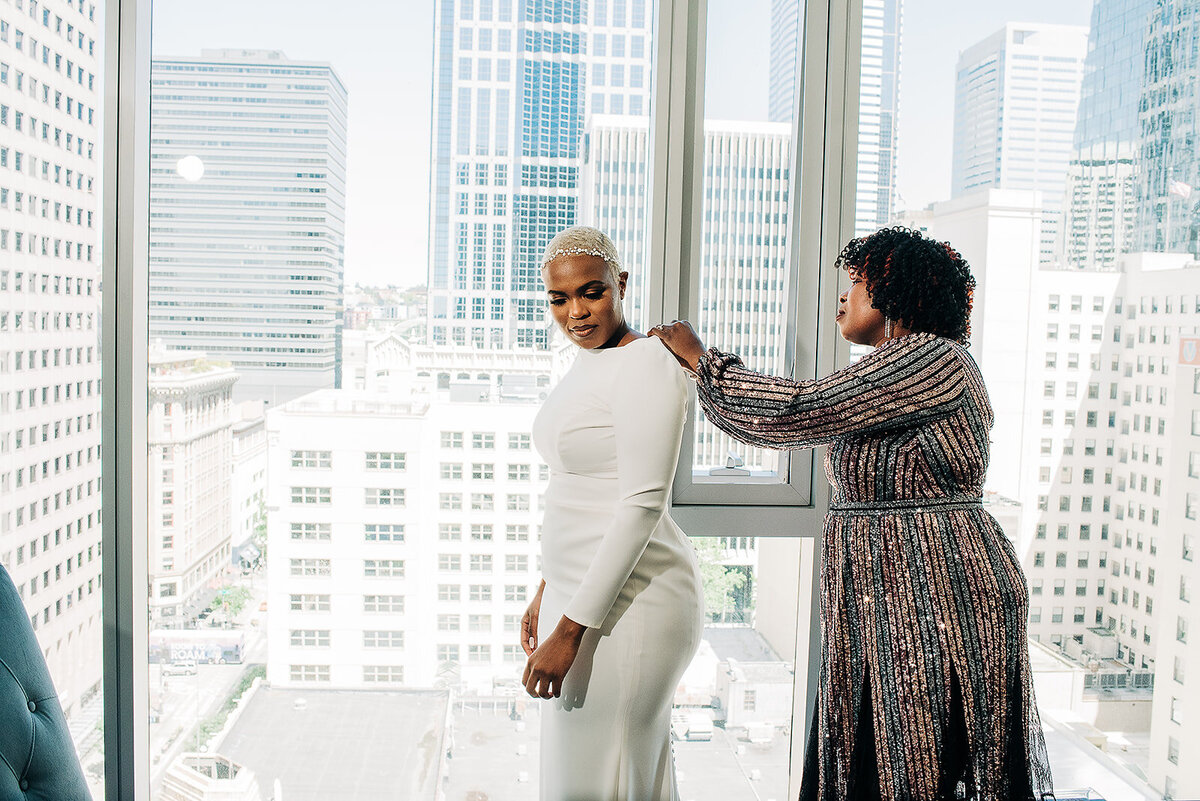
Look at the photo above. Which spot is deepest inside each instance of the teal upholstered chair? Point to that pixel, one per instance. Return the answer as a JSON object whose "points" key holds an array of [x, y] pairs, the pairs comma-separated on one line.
{"points": [[37, 757]]}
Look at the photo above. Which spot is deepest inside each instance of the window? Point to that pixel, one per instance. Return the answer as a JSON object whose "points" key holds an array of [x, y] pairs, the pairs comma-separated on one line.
{"points": [[449, 592], [451, 471], [384, 496], [383, 639], [383, 674], [383, 532], [482, 440], [312, 459], [449, 562], [385, 460], [310, 638], [452, 439], [310, 567], [312, 495], [480, 592], [308, 673], [383, 568], [312, 532], [309, 603]]}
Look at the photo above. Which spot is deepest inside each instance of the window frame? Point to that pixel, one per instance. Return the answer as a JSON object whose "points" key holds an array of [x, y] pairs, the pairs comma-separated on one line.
{"points": [[824, 165]]}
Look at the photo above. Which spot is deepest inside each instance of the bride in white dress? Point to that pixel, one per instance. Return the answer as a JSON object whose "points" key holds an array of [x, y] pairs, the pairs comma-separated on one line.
{"points": [[619, 612]]}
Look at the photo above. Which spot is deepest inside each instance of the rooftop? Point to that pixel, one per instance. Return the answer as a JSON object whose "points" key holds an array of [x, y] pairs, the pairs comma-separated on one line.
{"points": [[369, 745]]}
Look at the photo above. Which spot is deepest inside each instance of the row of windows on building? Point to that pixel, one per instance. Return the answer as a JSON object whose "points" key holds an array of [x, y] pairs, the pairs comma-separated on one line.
{"points": [[394, 674], [371, 674], [46, 283], [394, 532], [1145, 304], [21, 122], [394, 568], [51, 57], [47, 505], [396, 496]]}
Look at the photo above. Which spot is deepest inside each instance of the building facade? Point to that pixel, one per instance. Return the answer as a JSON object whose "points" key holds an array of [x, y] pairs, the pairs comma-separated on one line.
{"points": [[879, 99], [1169, 165], [1015, 102], [247, 216], [513, 88], [1099, 201], [403, 538], [50, 165], [190, 446]]}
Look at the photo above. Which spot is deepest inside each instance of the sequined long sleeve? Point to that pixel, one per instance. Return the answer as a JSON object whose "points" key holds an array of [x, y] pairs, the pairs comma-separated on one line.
{"points": [[901, 384]]}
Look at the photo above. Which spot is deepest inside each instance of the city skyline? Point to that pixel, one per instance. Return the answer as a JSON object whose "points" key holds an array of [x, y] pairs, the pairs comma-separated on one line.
{"points": [[387, 229], [1095, 448]]}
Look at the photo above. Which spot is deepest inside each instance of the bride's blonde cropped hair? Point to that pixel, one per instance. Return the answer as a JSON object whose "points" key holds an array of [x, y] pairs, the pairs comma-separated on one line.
{"points": [[583, 240]]}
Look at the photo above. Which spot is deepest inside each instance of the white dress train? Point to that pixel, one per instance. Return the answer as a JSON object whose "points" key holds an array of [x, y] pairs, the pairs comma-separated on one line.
{"points": [[614, 561]]}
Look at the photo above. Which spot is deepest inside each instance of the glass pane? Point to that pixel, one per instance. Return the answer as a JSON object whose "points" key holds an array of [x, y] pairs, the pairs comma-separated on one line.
{"points": [[742, 677], [1064, 183], [350, 342], [750, 92], [51, 94]]}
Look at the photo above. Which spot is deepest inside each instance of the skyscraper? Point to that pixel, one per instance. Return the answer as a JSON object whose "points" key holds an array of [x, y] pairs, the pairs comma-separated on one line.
{"points": [[1099, 204], [879, 99], [743, 279], [1168, 162], [512, 91], [247, 210], [50, 162], [1016, 96]]}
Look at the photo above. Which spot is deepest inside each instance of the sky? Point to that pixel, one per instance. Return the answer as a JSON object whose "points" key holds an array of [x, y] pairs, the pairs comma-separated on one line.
{"points": [[383, 53]]}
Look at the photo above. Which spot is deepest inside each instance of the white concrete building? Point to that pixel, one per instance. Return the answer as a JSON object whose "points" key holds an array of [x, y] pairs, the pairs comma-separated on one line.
{"points": [[247, 211], [190, 444], [1016, 97], [403, 538], [998, 232], [50, 165], [249, 481]]}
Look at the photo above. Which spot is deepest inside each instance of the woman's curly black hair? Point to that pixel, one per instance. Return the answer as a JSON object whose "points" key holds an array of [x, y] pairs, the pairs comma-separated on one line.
{"points": [[923, 284]]}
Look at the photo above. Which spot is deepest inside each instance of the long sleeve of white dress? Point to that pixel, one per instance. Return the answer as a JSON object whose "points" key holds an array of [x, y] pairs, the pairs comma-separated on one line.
{"points": [[647, 396]]}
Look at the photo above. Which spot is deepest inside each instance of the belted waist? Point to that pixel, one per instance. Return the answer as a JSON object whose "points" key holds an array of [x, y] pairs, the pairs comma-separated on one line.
{"points": [[943, 504]]}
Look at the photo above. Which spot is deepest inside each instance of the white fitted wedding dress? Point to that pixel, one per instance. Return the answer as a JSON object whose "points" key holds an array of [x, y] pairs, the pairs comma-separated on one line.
{"points": [[614, 561]]}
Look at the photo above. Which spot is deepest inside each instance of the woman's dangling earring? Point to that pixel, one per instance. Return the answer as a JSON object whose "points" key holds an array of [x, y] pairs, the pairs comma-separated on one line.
{"points": [[887, 327]]}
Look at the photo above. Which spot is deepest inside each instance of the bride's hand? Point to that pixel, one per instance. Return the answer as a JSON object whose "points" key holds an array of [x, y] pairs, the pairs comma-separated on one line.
{"points": [[529, 622], [548, 666], [681, 339]]}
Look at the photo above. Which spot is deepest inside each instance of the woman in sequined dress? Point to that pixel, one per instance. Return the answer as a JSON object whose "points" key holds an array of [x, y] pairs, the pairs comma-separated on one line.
{"points": [[925, 689]]}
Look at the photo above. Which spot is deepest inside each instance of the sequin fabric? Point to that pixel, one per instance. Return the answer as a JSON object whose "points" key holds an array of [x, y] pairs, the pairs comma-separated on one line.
{"points": [[923, 599]]}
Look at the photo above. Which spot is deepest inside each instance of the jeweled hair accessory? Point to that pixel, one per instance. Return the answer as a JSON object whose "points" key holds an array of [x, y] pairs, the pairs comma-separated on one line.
{"points": [[576, 251]]}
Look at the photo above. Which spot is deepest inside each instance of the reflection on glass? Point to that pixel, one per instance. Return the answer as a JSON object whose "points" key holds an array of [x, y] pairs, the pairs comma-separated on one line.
{"points": [[50, 165]]}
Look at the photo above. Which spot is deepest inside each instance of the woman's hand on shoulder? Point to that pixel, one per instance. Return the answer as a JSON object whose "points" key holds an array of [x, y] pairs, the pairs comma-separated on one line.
{"points": [[548, 665], [681, 339]]}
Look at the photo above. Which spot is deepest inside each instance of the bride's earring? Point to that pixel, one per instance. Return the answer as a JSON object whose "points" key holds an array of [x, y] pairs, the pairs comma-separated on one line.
{"points": [[887, 327]]}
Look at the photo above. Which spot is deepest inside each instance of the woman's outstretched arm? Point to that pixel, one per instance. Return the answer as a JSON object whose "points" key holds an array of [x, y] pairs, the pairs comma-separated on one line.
{"points": [[901, 384]]}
